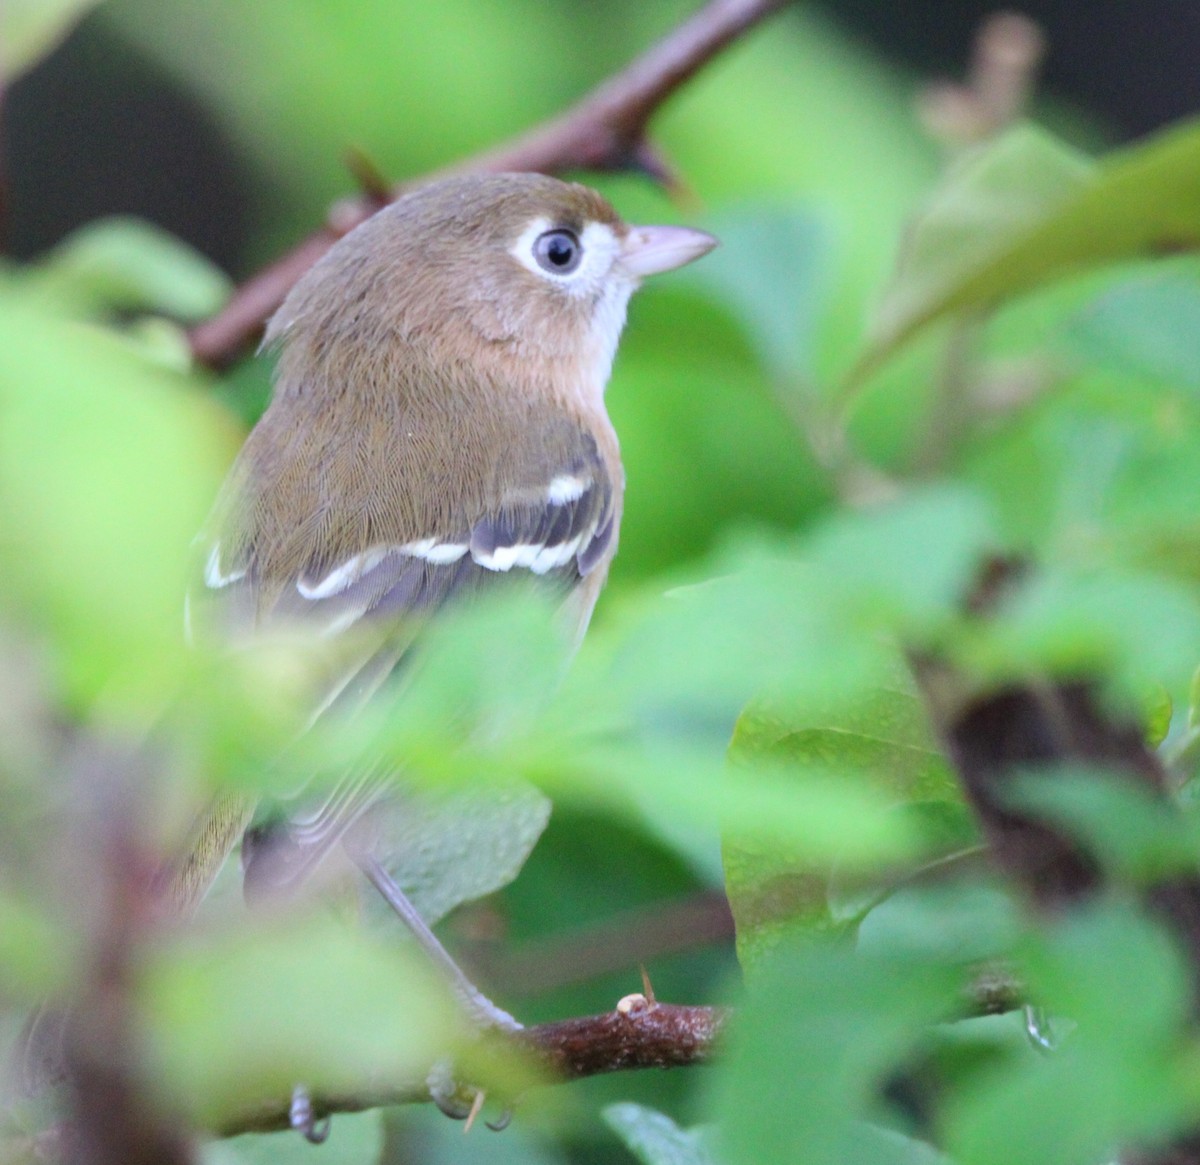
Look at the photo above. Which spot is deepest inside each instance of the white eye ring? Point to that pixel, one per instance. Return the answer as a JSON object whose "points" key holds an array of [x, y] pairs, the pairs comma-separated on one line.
{"points": [[596, 248]]}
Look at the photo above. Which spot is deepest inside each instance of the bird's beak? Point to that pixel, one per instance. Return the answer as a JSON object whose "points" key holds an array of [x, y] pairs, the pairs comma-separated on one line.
{"points": [[649, 250]]}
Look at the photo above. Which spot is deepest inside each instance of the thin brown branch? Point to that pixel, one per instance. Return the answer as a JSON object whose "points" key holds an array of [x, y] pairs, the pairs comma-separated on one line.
{"points": [[114, 1119], [605, 131], [641, 934], [635, 1034]]}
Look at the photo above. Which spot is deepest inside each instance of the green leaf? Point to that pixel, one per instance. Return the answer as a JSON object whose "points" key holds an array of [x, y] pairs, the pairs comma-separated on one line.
{"points": [[823, 1029], [961, 922], [35, 954], [1118, 1076], [107, 468], [802, 810], [30, 29], [243, 1016], [1134, 833], [1144, 327], [128, 264], [772, 271], [654, 1138], [988, 202], [1028, 211], [355, 1138], [1137, 630], [906, 567], [807, 620], [446, 847], [881, 743]]}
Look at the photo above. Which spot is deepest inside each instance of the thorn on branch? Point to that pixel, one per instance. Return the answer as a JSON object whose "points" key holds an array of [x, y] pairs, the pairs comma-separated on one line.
{"points": [[372, 182]]}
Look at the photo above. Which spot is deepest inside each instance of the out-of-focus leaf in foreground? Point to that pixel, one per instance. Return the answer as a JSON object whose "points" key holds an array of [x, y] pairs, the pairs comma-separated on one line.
{"points": [[128, 264], [823, 1031], [107, 467], [805, 617], [356, 1138], [1137, 629], [1145, 326], [29, 29], [245, 1016], [881, 743], [1120, 1074], [1138, 836]]}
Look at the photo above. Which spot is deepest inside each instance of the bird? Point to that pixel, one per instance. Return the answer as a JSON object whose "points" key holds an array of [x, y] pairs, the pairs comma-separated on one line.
{"points": [[437, 427]]}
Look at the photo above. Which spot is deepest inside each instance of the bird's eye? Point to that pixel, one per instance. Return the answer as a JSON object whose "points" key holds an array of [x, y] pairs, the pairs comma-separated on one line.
{"points": [[558, 251]]}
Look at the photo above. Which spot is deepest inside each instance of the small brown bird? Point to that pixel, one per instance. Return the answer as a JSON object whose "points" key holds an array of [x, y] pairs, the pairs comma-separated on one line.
{"points": [[438, 423]]}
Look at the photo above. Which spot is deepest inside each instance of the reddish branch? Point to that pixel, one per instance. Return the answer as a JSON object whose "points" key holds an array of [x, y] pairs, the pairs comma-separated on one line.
{"points": [[638, 1033], [605, 131]]}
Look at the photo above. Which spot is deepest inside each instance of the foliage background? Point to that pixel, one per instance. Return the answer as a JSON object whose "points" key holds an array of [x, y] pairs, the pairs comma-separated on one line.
{"points": [[801, 149]]}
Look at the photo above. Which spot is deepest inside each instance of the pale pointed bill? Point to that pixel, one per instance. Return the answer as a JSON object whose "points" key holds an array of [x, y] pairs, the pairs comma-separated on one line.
{"points": [[651, 250]]}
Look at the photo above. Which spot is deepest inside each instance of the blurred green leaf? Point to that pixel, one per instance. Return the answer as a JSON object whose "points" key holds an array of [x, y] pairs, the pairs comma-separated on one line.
{"points": [[1029, 210], [1146, 326], [1136, 630], [1116, 1078], [803, 618], [446, 848], [881, 742], [30, 29], [775, 804], [824, 1028], [655, 1139], [107, 467], [354, 1139], [128, 265], [1134, 832], [241, 1017], [962, 922], [993, 197], [906, 567], [772, 271], [35, 954]]}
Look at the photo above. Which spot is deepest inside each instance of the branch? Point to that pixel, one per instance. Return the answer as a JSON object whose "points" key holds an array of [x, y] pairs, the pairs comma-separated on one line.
{"points": [[638, 1033], [605, 131], [114, 1118], [639, 935]]}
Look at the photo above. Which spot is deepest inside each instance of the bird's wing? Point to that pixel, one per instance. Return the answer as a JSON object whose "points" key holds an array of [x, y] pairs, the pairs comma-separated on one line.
{"points": [[555, 531]]}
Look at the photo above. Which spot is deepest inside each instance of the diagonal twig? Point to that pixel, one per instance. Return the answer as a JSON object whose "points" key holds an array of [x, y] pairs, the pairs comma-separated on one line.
{"points": [[605, 131]]}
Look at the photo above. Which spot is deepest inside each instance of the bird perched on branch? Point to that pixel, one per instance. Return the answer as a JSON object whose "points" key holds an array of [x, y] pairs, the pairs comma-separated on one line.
{"points": [[438, 424]]}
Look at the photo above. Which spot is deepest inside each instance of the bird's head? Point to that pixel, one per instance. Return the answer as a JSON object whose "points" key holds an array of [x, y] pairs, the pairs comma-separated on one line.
{"points": [[516, 271]]}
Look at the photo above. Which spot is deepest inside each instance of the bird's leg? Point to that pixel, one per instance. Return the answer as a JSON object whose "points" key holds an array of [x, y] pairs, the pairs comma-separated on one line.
{"points": [[478, 1006]]}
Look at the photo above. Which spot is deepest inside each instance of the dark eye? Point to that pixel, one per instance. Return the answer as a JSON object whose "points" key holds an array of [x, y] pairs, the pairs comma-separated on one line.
{"points": [[558, 251]]}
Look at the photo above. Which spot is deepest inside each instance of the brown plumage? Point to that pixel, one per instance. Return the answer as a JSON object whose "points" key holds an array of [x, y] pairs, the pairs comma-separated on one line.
{"points": [[438, 417]]}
